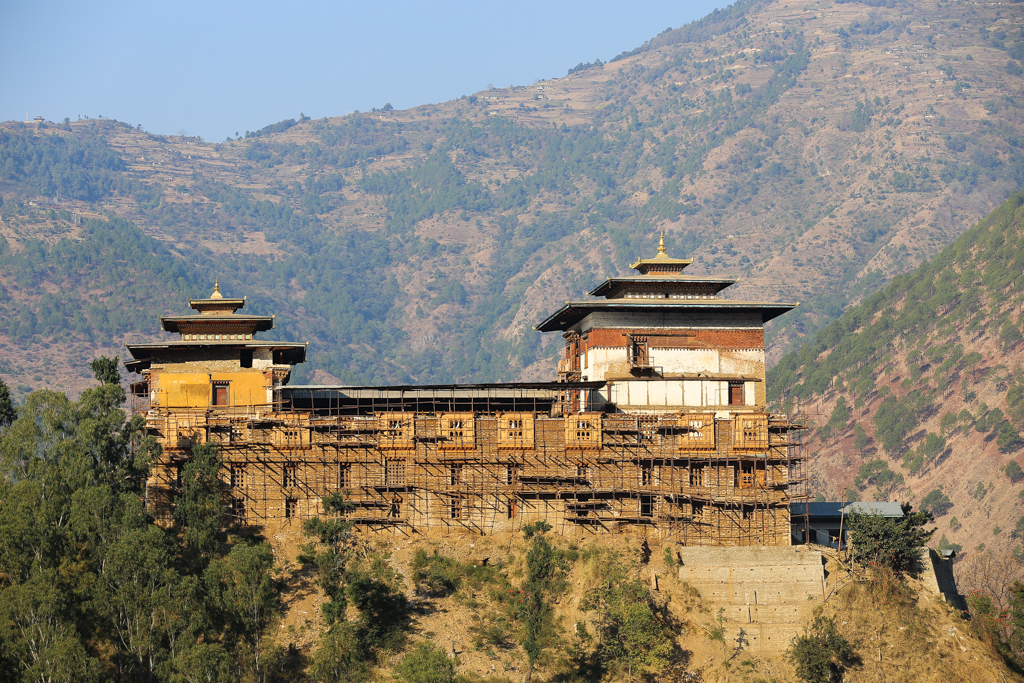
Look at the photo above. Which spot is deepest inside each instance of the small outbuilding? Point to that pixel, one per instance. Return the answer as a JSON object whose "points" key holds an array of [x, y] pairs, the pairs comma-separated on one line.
{"points": [[824, 523]]}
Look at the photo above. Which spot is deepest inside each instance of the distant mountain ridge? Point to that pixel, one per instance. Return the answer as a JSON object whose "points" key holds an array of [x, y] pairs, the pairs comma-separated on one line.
{"points": [[814, 151]]}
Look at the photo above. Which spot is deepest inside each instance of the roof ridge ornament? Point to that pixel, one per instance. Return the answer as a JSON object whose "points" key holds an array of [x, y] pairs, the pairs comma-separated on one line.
{"points": [[216, 289], [661, 246]]}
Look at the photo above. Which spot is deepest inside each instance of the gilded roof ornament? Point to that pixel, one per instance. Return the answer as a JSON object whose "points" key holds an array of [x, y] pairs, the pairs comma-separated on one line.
{"points": [[662, 262], [216, 290]]}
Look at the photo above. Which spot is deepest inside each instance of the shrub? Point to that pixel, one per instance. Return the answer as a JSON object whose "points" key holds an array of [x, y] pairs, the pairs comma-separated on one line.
{"points": [[436, 574], [426, 663], [822, 654]]}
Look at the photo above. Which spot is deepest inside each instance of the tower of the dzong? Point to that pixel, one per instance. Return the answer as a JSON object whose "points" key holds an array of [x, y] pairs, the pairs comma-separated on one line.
{"points": [[217, 361], [662, 341]]}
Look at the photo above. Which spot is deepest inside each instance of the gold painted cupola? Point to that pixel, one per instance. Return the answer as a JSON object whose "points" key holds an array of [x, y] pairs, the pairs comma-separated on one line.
{"points": [[665, 341], [217, 360], [661, 277], [217, 320]]}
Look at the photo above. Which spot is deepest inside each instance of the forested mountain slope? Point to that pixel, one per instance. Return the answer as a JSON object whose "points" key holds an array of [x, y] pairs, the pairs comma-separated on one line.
{"points": [[917, 394], [813, 149]]}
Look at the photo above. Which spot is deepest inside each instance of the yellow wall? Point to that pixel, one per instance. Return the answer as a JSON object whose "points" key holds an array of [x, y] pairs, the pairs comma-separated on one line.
{"points": [[195, 390]]}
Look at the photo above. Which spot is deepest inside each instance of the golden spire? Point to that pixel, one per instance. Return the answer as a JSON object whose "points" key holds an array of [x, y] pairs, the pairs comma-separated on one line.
{"points": [[661, 246], [216, 290]]}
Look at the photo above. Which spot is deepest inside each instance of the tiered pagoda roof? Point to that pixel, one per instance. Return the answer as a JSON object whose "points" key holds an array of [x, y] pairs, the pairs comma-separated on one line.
{"points": [[659, 288]]}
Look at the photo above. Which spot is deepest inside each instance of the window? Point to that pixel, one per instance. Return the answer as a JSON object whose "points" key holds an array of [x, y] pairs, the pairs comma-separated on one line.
{"points": [[698, 476], [582, 473], [457, 431], [646, 475], [515, 431], [237, 508], [696, 432], [395, 509], [344, 475], [396, 430], [512, 473], [639, 355], [454, 475], [583, 431], [237, 476], [245, 358], [456, 509], [290, 477], [750, 432], [220, 394], [291, 506], [735, 393], [394, 473], [646, 506], [513, 508]]}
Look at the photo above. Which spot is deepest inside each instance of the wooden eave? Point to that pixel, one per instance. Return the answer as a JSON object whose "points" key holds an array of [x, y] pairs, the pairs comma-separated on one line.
{"points": [[259, 323], [575, 311], [614, 285]]}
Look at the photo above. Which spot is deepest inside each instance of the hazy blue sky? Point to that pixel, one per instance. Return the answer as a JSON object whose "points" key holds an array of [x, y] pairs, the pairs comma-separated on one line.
{"points": [[214, 68]]}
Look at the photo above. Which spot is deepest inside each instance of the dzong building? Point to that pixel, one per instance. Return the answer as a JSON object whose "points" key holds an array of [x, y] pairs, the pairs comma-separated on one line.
{"points": [[656, 423]]}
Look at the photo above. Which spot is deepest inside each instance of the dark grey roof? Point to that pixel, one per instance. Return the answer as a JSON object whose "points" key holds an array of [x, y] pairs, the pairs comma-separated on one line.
{"points": [[574, 311], [835, 509]]}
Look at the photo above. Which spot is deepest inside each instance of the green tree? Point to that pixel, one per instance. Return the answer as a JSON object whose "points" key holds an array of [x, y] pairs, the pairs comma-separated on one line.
{"points": [[822, 654], [106, 369], [330, 548], [936, 503], [243, 588], [8, 413], [633, 636], [426, 663], [199, 509], [340, 657], [894, 543], [1013, 471]]}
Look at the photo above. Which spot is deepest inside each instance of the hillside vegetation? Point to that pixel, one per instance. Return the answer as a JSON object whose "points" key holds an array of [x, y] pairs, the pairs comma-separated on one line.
{"points": [[917, 394], [816, 150], [91, 589]]}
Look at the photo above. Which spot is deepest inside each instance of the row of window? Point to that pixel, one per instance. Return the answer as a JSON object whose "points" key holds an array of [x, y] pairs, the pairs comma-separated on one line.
{"points": [[748, 475], [215, 337], [666, 295], [458, 508]]}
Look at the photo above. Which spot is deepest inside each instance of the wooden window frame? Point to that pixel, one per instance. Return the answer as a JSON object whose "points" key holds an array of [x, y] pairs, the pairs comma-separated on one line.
{"points": [[736, 393], [457, 431], [291, 508], [583, 432], [397, 431], [698, 432], [750, 432], [396, 472], [638, 350], [455, 473], [516, 431], [290, 474], [237, 476], [344, 475]]}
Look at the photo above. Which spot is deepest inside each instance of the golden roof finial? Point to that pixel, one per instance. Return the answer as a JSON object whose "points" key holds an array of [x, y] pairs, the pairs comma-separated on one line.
{"points": [[661, 245], [216, 290]]}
